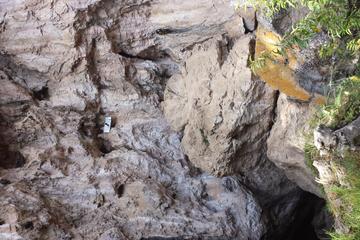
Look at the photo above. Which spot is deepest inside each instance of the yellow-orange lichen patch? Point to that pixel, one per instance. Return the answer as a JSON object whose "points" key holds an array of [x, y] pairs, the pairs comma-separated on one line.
{"points": [[279, 75]]}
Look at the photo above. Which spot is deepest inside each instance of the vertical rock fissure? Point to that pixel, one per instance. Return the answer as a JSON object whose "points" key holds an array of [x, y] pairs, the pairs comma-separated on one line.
{"points": [[274, 110], [305, 206]]}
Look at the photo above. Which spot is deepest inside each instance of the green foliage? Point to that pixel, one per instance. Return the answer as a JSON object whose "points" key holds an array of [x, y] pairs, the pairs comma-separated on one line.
{"points": [[349, 210], [343, 104], [342, 107], [260, 61], [270, 7], [310, 152], [339, 19]]}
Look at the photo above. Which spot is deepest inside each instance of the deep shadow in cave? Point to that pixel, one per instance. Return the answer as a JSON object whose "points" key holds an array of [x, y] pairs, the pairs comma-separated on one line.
{"points": [[308, 219], [11, 159]]}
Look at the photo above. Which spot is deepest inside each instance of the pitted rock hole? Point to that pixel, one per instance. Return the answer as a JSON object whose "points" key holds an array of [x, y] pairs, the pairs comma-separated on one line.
{"points": [[119, 189], [105, 146], [28, 225], [11, 159], [42, 94]]}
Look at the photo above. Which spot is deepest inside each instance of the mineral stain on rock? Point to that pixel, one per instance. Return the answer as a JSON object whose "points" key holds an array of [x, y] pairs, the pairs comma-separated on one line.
{"points": [[280, 74]]}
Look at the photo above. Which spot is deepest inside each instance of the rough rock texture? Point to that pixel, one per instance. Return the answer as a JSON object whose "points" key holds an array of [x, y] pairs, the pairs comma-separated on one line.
{"points": [[307, 72], [224, 115], [286, 142], [301, 79], [347, 137], [184, 107], [332, 172], [216, 104], [67, 64]]}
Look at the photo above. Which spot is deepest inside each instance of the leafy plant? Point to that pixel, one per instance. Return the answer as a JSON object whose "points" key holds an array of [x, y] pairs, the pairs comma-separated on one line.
{"points": [[310, 152], [342, 107], [349, 209], [339, 19], [343, 104]]}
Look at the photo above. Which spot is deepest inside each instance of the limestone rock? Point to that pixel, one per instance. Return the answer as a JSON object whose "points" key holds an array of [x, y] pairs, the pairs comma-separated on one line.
{"points": [[347, 137], [286, 142], [214, 102], [65, 65], [186, 154], [324, 140], [224, 115]]}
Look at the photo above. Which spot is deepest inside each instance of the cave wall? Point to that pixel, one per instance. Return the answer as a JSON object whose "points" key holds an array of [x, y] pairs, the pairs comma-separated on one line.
{"points": [[187, 155]]}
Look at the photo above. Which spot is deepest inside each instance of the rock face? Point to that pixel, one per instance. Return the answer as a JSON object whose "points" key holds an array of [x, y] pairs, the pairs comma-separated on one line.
{"points": [[327, 140], [186, 156], [216, 103], [288, 134], [338, 149]]}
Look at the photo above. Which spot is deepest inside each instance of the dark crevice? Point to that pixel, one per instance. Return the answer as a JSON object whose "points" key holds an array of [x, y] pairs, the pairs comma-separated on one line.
{"points": [[127, 55], [119, 189], [152, 53], [42, 94], [105, 146], [166, 238], [224, 47], [11, 159], [91, 65], [193, 170], [191, 46], [248, 28], [89, 130], [252, 47], [199, 237], [274, 110], [113, 121], [28, 225], [4, 182], [165, 31], [306, 211]]}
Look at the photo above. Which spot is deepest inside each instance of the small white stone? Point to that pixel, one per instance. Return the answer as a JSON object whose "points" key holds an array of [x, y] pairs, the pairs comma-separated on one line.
{"points": [[107, 124]]}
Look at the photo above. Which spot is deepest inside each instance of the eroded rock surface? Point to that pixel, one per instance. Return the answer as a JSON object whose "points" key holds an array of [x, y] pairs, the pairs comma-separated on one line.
{"points": [[327, 140], [216, 103], [287, 139], [67, 64], [186, 156], [225, 115]]}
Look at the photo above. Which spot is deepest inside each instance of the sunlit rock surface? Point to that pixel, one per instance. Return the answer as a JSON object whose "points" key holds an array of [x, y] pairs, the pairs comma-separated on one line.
{"points": [[187, 154]]}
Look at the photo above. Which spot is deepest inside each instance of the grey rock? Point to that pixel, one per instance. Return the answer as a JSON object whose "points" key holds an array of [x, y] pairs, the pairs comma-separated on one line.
{"points": [[288, 134], [327, 140], [65, 65], [186, 154]]}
